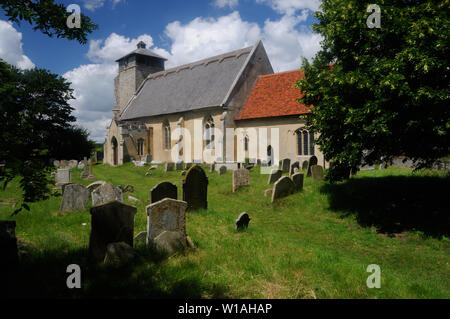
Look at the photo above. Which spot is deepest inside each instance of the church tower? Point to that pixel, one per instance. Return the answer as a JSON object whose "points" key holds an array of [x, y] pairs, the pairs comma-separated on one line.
{"points": [[133, 69]]}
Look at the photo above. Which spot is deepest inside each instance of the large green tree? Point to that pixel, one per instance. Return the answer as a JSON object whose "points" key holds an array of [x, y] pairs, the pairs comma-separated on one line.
{"points": [[380, 92], [36, 118], [48, 17]]}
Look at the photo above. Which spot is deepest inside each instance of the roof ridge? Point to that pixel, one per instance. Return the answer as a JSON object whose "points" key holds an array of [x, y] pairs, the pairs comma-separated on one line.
{"points": [[280, 73]]}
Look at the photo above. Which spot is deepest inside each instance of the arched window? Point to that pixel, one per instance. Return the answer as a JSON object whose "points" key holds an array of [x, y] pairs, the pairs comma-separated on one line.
{"points": [[140, 146], [167, 136], [305, 142], [209, 133]]}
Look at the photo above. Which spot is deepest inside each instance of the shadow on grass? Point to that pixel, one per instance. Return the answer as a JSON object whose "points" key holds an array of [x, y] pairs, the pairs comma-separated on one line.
{"points": [[395, 204], [43, 275]]}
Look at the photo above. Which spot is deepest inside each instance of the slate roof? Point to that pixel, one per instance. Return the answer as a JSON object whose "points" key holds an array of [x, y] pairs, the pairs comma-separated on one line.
{"points": [[193, 86], [273, 96]]}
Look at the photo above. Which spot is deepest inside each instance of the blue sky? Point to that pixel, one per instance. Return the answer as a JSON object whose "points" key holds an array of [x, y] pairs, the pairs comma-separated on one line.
{"points": [[181, 31]]}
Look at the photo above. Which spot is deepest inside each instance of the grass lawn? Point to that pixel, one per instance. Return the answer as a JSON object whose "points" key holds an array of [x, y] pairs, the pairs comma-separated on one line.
{"points": [[313, 244]]}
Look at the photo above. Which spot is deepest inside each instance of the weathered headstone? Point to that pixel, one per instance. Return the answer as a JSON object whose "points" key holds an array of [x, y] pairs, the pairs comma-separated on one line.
{"points": [[293, 167], [222, 170], [63, 176], [282, 188], [112, 222], [170, 242], [195, 188], [93, 186], [148, 158], [274, 175], [63, 164], [165, 215], [285, 163], [317, 172], [241, 178], [75, 197], [9, 258], [118, 254], [169, 167], [179, 166], [242, 221], [305, 166], [84, 174], [106, 193], [163, 190], [73, 163], [297, 178], [312, 161]]}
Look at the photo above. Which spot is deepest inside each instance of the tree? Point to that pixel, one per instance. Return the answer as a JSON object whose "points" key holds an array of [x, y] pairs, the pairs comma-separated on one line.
{"points": [[36, 126], [380, 92], [48, 17]]}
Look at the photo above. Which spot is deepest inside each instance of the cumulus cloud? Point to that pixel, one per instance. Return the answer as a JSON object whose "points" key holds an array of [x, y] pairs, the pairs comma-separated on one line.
{"points": [[226, 3], [291, 6], [11, 46]]}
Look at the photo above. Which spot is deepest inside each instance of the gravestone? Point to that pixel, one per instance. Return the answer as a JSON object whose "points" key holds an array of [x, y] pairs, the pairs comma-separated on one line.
{"points": [[56, 163], [166, 215], [285, 165], [84, 174], [75, 197], [106, 193], [212, 168], [242, 221], [112, 222], [92, 187], [163, 190], [312, 161], [305, 166], [282, 188], [118, 254], [195, 188], [183, 173], [73, 164], [9, 258], [297, 178], [170, 242], [91, 174], [170, 166], [293, 167], [222, 170], [179, 166], [241, 178], [63, 164], [317, 172], [274, 175], [63, 176]]}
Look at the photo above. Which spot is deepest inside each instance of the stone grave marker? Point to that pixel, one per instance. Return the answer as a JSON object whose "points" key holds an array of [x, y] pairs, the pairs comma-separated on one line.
{"points": [[112, 222], [297, 178], [106, 193], [317, 172], [63, 176], [282, 188], [305, 166], [75, 197], [242, 221], [73, 164], [165, 215], [195, 188], [285, 163], [56, 163], [170, 166], [179, 166], [222, 170], [93, 186], [91, 174], [163, 190], [293, 167], [241, 178], [274, 175], [312, 161]]}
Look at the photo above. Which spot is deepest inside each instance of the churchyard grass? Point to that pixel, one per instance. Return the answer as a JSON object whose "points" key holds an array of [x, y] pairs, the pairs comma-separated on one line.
{"points": [[313, 244]]}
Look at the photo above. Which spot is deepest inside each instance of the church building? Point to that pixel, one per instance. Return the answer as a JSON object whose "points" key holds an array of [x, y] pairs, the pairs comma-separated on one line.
{"points": [[222, 109]]}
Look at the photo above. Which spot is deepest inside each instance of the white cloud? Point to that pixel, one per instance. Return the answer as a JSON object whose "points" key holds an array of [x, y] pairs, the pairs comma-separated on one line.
{"points": [[226, 3], [291, 6], [93, 5], [11, 46]]}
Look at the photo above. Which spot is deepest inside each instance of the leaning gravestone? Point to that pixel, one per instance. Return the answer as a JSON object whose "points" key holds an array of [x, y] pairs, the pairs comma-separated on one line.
{"points": [[163, 190], [285, 165], [282, 188], [170, 242], [275, 175], [169, 167], [293, 167], [241, 178], [195, 188], [92, 187], [75, 197], [112, 222], [222, 170], [312, 161], [242, 221], [9, 258], [317, 172], [106, 193], [297, 178], [63, 176], [166, 215]]}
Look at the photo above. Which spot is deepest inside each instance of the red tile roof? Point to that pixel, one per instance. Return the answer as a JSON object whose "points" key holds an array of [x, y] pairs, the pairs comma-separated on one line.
{"points": [[273, 95]]}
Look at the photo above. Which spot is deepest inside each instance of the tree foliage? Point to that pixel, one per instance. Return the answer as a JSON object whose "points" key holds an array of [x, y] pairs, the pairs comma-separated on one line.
{"points": [[48, 17], [36, 126], [380, 92]]}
